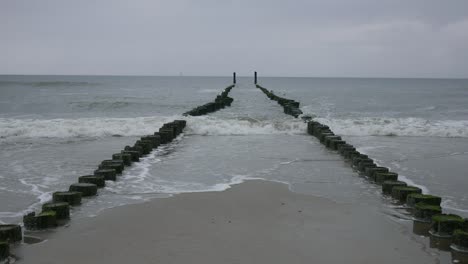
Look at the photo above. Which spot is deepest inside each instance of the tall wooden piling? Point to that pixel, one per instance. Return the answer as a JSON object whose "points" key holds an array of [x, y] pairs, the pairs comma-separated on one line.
{"points": [[255, 77], [234, 77]]}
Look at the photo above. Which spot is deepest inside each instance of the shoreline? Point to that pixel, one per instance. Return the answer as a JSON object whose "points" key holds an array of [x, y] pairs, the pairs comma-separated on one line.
{"points": [[255, 221]]}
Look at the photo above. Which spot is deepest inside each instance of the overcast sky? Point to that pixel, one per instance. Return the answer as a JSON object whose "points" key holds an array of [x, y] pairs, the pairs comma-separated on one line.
{"points": [[354, 38]]}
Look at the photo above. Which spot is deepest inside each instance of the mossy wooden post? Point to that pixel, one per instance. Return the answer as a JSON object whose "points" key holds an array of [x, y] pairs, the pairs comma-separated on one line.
{"points": [[335, 144], [358, 157], [4, 250], [363, 164], [168, 134], [343, 149], [350, 154], [145, 148], [380, 177], [415, 198], [98, 180], [11, 233], [44, 220], [255, 77], [154, 139], [459, 246], [127, 158], [135, 154], [108, 174], [234, 77], [400, 193], [310, 127], [86, 189], [72, 198], [442, 229], [328, 136], [329, 141], [181, 123], [423, 217], [370, 172], [446, 223], [61, 209], [387, 186], [135, 148], [116, 165], [47, 219]]}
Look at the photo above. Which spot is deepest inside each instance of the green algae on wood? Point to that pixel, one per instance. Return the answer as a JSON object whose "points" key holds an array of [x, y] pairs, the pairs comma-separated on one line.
{"points": [[334, 144], [4, 250], [154, 139], [446, 223], [11, 233], [351, 154], [127, 158], [415, 198], [400, 193], [99, 180], [62, 209], [86, 189], [108, 174], [460, 238], [426, 211], [135, 154], [345, 148], [107, 165], [364, 164], [72, 198], [44, 220], [371, 171], [145, 148], [387, 186], [48, 218], [380, 177]]}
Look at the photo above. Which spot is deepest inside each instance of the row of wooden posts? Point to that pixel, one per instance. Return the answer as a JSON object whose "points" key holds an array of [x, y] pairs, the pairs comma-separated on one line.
{"points": [[290, 106], [447, 232], [57, 211], [220, 102]]}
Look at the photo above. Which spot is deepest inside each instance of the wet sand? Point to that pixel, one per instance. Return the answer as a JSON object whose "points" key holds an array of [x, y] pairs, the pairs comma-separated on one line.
{"points": [[253, 222]]}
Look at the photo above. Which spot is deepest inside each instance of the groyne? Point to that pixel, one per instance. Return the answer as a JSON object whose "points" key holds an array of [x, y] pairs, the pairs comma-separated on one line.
{"points": [[290, 107], [220, 102]]}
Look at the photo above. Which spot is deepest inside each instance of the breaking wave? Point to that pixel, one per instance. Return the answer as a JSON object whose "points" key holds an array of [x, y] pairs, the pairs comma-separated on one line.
{"points": [[379, 126], [11, 129]]}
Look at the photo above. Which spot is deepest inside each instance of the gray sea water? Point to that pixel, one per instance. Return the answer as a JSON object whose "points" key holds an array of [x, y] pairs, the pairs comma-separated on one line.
{"points": [[56, 128]]}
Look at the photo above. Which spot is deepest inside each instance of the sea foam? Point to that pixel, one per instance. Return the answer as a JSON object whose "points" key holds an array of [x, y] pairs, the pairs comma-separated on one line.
{"points": [[11, 129], [380, 126]]}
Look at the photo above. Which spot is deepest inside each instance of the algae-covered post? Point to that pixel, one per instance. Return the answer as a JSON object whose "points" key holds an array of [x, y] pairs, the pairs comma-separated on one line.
{"points": [[4, 250], [442, 230], [234, 77], [11, 233], [459, 246], [255, 77]]}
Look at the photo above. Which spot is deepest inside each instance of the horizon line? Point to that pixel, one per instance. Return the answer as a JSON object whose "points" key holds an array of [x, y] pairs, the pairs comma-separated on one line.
{"points": [[230, 76]]}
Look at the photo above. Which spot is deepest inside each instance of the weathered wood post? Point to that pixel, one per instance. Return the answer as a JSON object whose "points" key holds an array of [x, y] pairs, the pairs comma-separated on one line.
{"points": [[234, 77], [255, 77]]}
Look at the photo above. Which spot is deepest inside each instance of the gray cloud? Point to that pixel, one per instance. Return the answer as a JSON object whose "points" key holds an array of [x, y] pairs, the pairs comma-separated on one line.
{"points": [[390, 38]]}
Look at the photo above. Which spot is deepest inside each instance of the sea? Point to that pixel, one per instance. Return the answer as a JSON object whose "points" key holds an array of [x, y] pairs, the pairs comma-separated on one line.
{"points": [[54, 129]]}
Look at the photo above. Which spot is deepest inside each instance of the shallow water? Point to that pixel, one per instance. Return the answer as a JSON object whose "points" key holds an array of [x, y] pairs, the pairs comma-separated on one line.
{"points": [[56, 128]]}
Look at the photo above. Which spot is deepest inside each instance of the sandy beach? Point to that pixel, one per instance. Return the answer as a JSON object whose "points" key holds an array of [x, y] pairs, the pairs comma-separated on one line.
{"points": [[252, 222]]}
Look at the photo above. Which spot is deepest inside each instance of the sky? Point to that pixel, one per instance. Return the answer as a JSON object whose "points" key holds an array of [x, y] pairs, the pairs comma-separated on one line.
{"points": [[304, 38]]}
